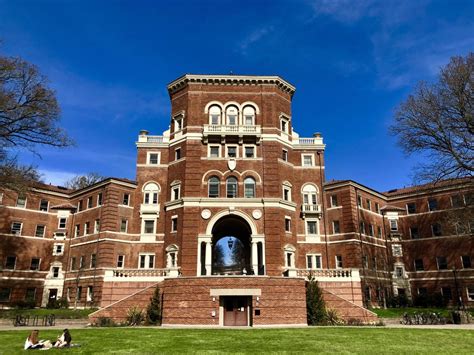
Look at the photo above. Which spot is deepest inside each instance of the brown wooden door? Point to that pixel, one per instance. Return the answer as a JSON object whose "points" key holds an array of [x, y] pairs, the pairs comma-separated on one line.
{"points": [[235, 311]]}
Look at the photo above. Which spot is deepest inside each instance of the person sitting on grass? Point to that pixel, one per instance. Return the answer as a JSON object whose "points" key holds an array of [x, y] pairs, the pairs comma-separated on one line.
{"points": [[32, 342], [64, 340]]}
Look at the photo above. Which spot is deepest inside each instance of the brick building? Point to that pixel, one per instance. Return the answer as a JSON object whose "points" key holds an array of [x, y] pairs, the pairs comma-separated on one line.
{"points": [[230, 212]]}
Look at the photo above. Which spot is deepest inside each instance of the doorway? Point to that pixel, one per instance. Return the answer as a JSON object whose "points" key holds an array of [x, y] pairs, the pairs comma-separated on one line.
{"points": [[236, 311]]}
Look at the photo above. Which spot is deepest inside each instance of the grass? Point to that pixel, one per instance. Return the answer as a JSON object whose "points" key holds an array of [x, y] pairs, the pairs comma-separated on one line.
{"points": [[40, 312], [341, 340], [398, 312]]}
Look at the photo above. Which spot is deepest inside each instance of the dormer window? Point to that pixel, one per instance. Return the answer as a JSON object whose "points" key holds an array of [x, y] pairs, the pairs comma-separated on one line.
{"points": [[249, 116], [215, 115], [232, 115]]}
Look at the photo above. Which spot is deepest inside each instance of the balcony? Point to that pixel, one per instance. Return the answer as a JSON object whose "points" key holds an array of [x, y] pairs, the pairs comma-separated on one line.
{"points": [[149, 209], [311, 209], [329, 274], [141, 274], [231, 130]]}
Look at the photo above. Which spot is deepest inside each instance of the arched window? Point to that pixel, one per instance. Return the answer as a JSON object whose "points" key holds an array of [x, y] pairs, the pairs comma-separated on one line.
{"points": [[232, 114], [150, 194], [249, 187], [231, 187], [213, 186], [249, 115], [310, 195], [215, 115], [172, 256]]}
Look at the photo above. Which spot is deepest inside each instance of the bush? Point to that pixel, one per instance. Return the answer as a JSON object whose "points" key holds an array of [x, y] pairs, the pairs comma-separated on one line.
{"points": [[28, 304], [399, 301], [332, 318], [105, 322], [153, 311], [135, 316], [315, 306], [57, 303], [354, 322], [430, 300]]}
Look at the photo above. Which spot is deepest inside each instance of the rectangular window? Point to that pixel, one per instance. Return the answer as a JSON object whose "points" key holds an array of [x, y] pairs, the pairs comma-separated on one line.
{"points": [[89, 202], [311, 227], [249, 152], [287, 224], [44, 204], [58, 249], [470, 293], [365, 262], [177, 154], [333, 200], [379, 231], [79, 205], [97, 226], [466, 261], [377, 207], [149, 227], [10, 262], [336, 228], [248, 120], [55, 272], [432, 204], [120, 261], [374, 263], [78, 293], [90, 293], [286, 193], [414, 233], [93, 261], [313, 261], [5, 294], [21, 202], [215, 119], [16, 228], [393, 225], [175, 193], [39, 232], [436, 229], [284, 125], [174, 224], [123, 226], [371, 230], [146, 261], [73, 263], [82, 262], [411, 207], [99, 199], [397, 250], [77, 230], [231, 151], [442, 262], [457, 201], [30, 294], [359, 201], [308, 160], [35, 264], [214, 151], [446, 292], [126, 199], [399, 272], [284, 155], [153, 158], [339, 262], [362, 227], [87, 227], [419, 265], [369, 205], [62, 223]]}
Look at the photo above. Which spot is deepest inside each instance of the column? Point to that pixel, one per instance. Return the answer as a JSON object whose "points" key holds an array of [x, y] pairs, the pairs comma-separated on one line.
{"points": [[254, 257], [208, 258]]}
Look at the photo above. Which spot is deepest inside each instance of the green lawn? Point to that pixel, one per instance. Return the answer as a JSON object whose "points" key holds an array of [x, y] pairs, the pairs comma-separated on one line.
{"points": [[40, 312], [308, 340]]}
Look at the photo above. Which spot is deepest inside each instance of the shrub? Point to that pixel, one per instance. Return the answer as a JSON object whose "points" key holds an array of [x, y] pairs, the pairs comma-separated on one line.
{"points": [[153, 311], [400, 301], [354, 322], [332, 318], [28, 304], [315, 306], [135, 316], [57, 303], [105, 322]]}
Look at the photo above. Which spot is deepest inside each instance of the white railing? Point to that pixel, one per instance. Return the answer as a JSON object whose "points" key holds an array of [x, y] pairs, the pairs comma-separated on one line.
{"points": [[217, 128], [330, 274], [308, 141], [152, 139], [142, 273], [310, 208]]}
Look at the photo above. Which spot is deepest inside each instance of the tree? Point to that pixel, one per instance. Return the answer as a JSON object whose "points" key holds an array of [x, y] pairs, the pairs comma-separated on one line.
{"points": [[29, 114], [438, 119], [315, 306], [82, 181], [153, 311]]}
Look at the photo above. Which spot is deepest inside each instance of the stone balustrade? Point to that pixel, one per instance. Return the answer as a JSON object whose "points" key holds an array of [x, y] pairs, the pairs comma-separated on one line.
{"points": [[330, 274], [140, 274]]}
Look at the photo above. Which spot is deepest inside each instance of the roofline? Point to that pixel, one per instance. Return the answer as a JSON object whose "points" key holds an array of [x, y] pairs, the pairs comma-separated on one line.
{"points": [[103, 183], [342, 183], [181, 82]]}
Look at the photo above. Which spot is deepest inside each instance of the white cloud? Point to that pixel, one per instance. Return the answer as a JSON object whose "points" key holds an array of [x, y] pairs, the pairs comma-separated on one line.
{"points": [[56, 177], [254, 37]]}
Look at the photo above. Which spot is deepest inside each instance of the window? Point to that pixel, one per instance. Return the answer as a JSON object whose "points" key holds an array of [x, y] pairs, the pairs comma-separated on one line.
{"points": [[442, 262], [333, 201], [77, 230], [39, 232], [150, 194], [374, 263], [5, 294], [97, 226], [393, 225], [90, 293], [249, 116], [419, 265], [469, 199], [153, 158], [35, 264], [149, 226], [249, 151], [399, 271], [178, 123], [312, 227], [470, 293], [362, 227], [310, 195], [287, 224], [79, 205], [55, 270], [414, 233], [249, 187], [16, 228], [123, 226], [82, 263], [307, 160], [175, 193], [285, 125], [126, 199], [313, 261], [457, 201], [422, 291], [30, 294], [379, 231], [369, 205], [365, 262], [432, 204], [231, 187], [146, 261], [371, 230], [411, 207], [377, 207], [214, 151], [44, 204], [177, 154], [58, 249], [397, 250], [284, 155], [10, 262], [99, 199], [78, 293], [232, 115], [215, 115], [73, 263], [87, 228], [93, 261], [21, 202], [89, 202], [339, 262], [466, 261], [174, 224], [231, 151], [336, 227], [286, 192], [120, 261], [213, 186], [436, 229], [359, 201], [446, 292], [62, 223]]}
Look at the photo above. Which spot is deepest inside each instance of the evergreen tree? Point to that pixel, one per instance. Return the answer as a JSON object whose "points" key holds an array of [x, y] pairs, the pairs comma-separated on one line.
{"points": [[315, 306], [153, 311]]}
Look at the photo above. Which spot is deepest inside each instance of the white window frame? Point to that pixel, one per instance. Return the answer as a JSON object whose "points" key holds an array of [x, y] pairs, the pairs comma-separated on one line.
{"points": [[288, 219], [470, 293], [394, 227], [244, 154], [47, 205], [173, 189], [236, 187], [89, 202], [339, 261], [303, 155], [314, 257], [143, 226], [147, 260], [91, 259], [254, 114], [18, 198], [89, 293], [236, 146], [237, 115], [65, 222], [286, 187], [397, 250], [219, 153], [148, 158], [306, 225], [77, 230], [176, 154], [334, 228], [369, 204], [122, 256], [284, 155], [55, 247], [286, 119], [254, 187], [96, 226], [371, 230], [87, 227], [18, 232], [44, 230], [39, 264], [219, 120], [128, 199], [100, 199], [174, 224], [333, 198], [126, 225]]}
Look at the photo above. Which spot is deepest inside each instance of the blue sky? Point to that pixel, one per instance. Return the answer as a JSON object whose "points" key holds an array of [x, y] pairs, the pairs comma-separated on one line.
{"points": [[352, 62]]}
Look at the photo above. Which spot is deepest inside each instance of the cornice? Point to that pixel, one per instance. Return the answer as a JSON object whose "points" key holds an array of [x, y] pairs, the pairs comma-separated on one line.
{"points": [[181, 82]]}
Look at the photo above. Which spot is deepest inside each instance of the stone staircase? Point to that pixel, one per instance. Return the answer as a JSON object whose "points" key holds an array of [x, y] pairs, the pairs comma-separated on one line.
{"points": [[346, 309]]}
